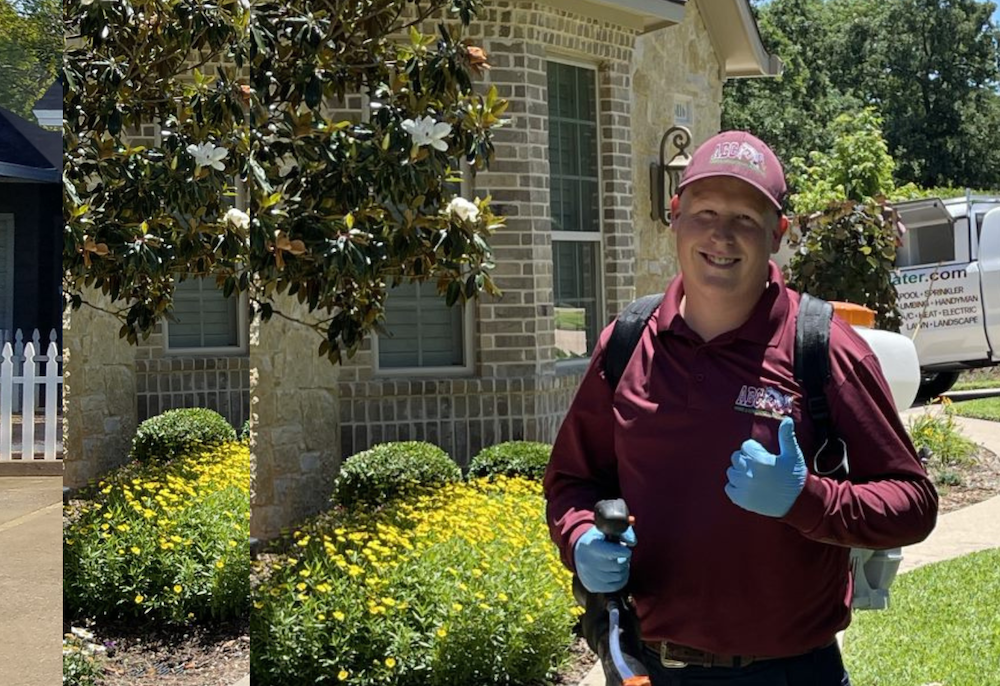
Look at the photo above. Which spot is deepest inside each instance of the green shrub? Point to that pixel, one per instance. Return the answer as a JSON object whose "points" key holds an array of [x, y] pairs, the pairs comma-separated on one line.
{"points": [[513, 458], [176, 432], [455, 585], [388, 470], [943, 437], [167, 542]]}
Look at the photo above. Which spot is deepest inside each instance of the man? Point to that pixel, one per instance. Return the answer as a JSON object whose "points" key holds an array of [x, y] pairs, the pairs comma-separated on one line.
{"points": [[739, 554]]}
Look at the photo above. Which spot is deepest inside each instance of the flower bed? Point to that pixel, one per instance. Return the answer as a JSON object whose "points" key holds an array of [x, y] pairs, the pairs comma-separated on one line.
{"points": [[165, 542], [455, 585]]}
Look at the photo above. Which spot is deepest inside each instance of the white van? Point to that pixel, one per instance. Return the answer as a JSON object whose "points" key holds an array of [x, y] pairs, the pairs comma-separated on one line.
{"points": [[948, 281]]}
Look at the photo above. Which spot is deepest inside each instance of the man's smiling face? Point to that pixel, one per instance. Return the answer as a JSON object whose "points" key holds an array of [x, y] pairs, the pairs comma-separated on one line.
{"points": [[726, 231]]}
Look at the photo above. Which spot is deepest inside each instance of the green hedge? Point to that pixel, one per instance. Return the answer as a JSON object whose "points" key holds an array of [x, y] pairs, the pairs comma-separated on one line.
{"points": [[513, 458], [389, 470], [177, 432]]}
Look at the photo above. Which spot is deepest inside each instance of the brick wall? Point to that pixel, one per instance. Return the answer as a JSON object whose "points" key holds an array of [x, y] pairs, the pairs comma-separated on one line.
{"points": [[515, 391]]}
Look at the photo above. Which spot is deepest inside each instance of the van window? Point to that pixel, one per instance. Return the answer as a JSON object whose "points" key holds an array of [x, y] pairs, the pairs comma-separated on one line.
{"points": [[926, 244]]}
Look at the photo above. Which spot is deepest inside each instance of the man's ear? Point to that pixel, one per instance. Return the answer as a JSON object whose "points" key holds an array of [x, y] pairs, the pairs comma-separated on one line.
{"points": [[782, 230], [675, 207]]}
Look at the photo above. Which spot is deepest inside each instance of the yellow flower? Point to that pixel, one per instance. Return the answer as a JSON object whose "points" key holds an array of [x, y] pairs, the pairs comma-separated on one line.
{"points": [[177, 588], [390, 662], [442, 632], [135, 550], [342, 676], [338, 615], [220, 563], [139, 598]]}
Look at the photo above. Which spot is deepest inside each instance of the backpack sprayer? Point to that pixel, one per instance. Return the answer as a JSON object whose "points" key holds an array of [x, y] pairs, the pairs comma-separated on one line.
{"points": [[611, 518]]}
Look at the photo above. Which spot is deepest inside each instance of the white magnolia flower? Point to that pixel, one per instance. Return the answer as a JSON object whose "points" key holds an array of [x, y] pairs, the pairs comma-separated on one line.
{"points": [[238, 218], [427, 131], [208, 155], [463, 208]]}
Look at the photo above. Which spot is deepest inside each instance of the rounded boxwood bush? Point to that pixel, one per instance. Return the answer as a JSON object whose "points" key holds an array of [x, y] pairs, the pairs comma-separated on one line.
{"points": [[180, 432], [387, 470], [513, 458]]}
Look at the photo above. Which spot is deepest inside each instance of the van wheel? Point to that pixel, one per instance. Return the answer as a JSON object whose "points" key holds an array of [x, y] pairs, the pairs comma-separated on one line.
{"points": [[934, 384]]}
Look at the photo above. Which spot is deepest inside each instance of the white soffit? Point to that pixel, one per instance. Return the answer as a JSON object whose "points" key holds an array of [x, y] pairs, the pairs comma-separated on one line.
{"points": [[736, 39], [640, 15]]}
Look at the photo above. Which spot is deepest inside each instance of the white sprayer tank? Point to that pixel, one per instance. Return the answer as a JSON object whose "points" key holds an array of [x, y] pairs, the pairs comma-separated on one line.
{"points": [[874, 570], [895, 352]]}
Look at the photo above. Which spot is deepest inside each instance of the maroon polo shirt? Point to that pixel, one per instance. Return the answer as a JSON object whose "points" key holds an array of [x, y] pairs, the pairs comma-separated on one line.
{"points": [[706, 573]]}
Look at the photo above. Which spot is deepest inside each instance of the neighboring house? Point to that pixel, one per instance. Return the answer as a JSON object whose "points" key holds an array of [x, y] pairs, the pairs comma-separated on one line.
{"points": [[30, 224], [592, 86]]}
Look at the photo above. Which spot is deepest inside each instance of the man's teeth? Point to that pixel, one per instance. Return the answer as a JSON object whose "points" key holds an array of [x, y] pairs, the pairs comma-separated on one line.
{"points": [[721, 261]]}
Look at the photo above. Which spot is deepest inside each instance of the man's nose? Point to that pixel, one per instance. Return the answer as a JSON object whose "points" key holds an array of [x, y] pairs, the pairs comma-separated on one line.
{"points": [[723, 229]]}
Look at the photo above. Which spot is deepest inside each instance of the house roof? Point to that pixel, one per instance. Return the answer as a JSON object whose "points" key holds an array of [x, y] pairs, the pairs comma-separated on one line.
{"points": [[53, 98], [28, 152]]}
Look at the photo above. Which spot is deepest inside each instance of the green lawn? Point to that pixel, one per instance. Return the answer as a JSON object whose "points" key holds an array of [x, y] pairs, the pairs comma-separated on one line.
{"points": [[988, 377], [942, 627], [984, 408], [570, 318]]}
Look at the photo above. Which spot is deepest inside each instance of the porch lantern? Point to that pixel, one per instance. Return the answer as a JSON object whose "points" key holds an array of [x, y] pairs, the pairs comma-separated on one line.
{"points": [[668, 173]]}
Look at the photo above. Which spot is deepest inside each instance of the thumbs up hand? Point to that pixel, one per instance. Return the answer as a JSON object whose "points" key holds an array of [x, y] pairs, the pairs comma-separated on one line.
{"points": [[764, 483]]}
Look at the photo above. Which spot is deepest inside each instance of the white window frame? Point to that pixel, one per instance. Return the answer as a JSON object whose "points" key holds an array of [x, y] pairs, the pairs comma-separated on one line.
{"points": [[243, 335], [468, 326], [8, 293], [570, 366]]}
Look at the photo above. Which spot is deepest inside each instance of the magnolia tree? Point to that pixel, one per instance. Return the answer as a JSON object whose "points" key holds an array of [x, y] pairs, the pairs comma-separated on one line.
{"points": [[139, 218], [341, 209]]}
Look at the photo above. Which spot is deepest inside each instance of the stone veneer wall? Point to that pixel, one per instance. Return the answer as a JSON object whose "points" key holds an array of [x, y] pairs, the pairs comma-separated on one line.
{"points": [[515, 391], [674, 61], [99, 410], [294, 427]]}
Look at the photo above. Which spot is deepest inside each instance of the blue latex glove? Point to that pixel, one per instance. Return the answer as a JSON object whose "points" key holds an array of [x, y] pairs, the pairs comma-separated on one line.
{"points": [[602, 565], [764, 483]]}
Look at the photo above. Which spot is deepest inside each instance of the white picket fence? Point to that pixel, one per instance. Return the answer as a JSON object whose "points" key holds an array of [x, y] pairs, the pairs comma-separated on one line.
{"points": [[30, 393]]}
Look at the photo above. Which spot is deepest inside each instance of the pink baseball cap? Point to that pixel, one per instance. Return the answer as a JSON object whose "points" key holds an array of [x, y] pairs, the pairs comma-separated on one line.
{"points": [[743, 156]]}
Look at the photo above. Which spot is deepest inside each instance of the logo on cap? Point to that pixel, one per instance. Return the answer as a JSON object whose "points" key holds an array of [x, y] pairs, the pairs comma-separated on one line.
{"points": [[739, 152]]}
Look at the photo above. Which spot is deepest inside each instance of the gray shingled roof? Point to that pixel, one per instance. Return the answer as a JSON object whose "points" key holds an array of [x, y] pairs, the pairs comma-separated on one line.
{"points": [[53, 98], [27, 151]]}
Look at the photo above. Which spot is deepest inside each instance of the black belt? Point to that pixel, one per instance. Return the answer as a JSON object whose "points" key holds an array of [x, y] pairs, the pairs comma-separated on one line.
{"points": [[674, 655]]}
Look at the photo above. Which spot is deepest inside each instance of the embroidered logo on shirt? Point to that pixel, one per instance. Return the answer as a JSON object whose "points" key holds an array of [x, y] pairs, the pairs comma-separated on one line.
{"points": [[764, 402]]}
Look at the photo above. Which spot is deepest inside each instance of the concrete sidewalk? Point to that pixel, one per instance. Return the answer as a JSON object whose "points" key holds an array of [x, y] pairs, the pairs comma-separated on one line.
{"points": [[31, 580], [957, 533]]}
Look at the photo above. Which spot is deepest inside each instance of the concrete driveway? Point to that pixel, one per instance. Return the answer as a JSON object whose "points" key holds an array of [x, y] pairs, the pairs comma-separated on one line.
{"points": [[31, 581]]}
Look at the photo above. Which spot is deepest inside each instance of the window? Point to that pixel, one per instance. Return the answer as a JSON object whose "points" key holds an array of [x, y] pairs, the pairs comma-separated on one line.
{"points": [[205, 321], [926, 244], [426, 336], [574, 182], [424, 332]]}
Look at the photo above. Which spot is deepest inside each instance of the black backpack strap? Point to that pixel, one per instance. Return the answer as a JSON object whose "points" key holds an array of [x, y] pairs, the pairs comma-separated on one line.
{"points": [[625, 336], [812, 366]]}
